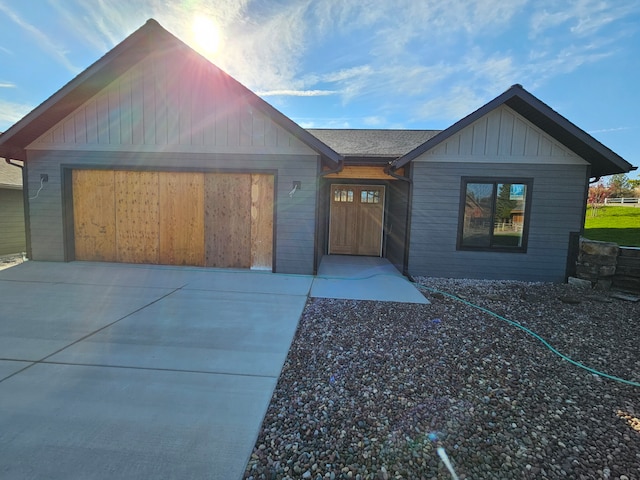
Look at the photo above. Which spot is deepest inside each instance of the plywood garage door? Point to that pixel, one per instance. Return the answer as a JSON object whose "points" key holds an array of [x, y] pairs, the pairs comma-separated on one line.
{"points": [[174, 218]]}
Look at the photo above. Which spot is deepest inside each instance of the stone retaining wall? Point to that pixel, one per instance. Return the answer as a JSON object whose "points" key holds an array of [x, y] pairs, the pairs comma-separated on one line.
{"points": [[606, 264], [627, 275]]}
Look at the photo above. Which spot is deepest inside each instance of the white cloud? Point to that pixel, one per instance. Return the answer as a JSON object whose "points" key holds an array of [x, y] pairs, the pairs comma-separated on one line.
{"points": [[347, 74], [11, 112], [609, 130], [439, 59], [374, 121], [453, 103], [47, 44], [7, 85], [296, 93], [580, 17]]}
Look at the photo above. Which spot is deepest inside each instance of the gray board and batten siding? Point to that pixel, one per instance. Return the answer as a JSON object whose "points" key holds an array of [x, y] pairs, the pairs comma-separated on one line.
{"points": [[135, 123], [500, 145]]}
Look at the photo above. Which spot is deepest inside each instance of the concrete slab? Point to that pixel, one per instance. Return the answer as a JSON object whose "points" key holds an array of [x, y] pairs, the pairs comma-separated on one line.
{"points": [[38, 319], [158, 276], [198, 330], [9, 367], [363, 278], [68, 421], [138, 371]]}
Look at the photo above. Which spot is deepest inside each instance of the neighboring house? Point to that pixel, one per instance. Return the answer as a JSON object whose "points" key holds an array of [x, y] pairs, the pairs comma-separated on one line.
{"points": [[12, 237], [154, 155]]}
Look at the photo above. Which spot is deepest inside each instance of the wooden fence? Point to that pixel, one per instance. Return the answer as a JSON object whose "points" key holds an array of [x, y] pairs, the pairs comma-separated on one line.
{"points": [[625, 202]]}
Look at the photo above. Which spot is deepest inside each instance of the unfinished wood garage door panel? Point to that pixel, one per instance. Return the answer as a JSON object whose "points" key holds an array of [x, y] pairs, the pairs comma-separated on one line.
{"points": [[94, 215], [228, 220], [137, 217], [174, 218], [262, 221], [181, 218]]}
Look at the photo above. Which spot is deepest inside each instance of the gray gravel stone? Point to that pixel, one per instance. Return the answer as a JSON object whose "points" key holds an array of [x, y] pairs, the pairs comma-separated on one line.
{"points": [[370, 390]]}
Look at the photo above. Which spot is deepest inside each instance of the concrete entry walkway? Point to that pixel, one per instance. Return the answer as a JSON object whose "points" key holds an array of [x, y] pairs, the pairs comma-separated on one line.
{"points": [[121, 371], [363, 278]]}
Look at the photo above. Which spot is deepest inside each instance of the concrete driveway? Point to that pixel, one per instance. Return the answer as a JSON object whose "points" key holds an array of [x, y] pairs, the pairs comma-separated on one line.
{"points": [[129, 372]]}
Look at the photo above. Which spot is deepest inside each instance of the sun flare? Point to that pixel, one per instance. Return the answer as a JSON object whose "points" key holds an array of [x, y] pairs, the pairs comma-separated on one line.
{"points": [[206, 34]]}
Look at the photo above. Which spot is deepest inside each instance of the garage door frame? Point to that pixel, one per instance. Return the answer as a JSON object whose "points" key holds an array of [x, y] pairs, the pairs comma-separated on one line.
{"points": [[66, 176]]}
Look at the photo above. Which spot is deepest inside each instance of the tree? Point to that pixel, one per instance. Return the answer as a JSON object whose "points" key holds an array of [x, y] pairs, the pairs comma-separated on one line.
{"points": [[619, 186], [597, 195], [504, 204]]}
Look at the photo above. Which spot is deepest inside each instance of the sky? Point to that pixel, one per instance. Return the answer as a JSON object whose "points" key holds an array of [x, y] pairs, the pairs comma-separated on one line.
{"points": [[407, 64]]}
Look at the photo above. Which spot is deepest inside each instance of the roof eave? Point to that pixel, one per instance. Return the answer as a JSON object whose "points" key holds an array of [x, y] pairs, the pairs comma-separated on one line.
{"points": [[296, 130], [452, 130], [603, 160], [80, 89], [114, 63]]}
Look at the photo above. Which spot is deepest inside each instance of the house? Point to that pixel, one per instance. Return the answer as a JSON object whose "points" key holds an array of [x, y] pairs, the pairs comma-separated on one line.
{"points": [[154, 155], [12, 237]]}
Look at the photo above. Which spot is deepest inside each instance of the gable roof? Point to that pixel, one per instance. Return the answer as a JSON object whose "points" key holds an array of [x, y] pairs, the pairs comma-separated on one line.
{"points": [[603, 160], [150, 39], [372, 143]]}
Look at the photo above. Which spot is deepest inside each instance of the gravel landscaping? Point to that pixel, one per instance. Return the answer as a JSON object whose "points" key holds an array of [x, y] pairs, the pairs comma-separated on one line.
{"points": [[371, 390]]}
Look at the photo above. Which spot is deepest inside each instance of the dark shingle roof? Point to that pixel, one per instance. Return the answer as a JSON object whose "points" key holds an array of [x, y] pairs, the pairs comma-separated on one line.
{"points": [[372, 143]]}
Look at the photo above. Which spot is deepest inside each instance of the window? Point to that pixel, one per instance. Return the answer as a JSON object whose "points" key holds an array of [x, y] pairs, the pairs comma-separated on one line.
{"points": [[494, 215], [370, 196], [343, 195]]}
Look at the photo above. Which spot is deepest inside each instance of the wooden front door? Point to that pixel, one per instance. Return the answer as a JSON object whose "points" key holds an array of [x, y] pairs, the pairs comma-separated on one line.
{"points": [[356, 220]]}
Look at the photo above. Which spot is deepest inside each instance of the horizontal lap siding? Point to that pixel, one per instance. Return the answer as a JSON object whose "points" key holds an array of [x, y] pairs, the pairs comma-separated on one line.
{"points": [[46, 208], [556, 210], [295, 217], [12, 235]]}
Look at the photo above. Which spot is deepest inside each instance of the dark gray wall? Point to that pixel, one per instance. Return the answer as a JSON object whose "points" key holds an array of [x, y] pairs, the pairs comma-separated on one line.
{"points": [[12, 237], [295, 217], [396, 222], [556, 210]]}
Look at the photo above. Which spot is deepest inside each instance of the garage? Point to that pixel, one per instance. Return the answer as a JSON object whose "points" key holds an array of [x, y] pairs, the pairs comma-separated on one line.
{"points": [[222, 220]]}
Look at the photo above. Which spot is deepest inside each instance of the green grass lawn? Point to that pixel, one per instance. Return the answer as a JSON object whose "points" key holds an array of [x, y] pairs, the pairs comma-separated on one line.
{"points": [[620, 225]]}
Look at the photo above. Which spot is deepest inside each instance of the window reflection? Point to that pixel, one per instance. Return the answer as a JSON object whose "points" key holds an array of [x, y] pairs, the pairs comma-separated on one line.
{"points": [[370, 196], [343, 195], [494, 215]]}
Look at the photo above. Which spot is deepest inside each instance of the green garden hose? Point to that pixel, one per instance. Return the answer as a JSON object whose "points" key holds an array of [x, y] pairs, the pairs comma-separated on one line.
{"points": [[534, 335]]}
